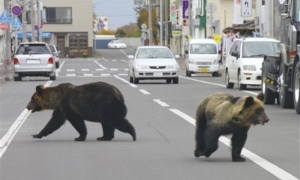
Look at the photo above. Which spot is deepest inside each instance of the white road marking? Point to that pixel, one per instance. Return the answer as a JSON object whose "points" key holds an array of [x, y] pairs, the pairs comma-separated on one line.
{"points": [[71, 75], [123, 74], [124, 61], [59, 69], [126, 69], [130, 84], [99, 64], [85, 70], [160, 102], [99, 69], [114, 60], [273, 169], [105, 74], [114, 69], [88, 75], [8, 137], [1, 64], [144, 91], [70, 70]]}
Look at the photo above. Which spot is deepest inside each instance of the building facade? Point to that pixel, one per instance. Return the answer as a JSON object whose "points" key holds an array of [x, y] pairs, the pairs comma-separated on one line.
{"points": [[69, 25], [1, 35]]}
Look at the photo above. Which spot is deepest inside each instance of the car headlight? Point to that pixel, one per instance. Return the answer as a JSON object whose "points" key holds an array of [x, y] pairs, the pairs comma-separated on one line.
{"points": [[142, 67], [192, 62], [249, 67], [172, 66]]}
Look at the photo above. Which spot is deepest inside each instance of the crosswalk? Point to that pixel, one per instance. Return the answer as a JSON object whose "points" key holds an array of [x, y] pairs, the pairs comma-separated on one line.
{"points": [[91, 72]]}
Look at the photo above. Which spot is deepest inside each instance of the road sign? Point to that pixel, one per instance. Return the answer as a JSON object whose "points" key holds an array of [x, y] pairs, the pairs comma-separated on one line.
{"points": [[211, 8], [16, 23], [16, 10], [3, 26], [36, 27], [246, 8], [172, 12], [5, 17], [144, 26]]}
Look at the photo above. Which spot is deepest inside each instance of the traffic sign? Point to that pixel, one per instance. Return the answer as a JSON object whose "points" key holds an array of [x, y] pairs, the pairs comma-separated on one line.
{"points": [[3, 26], [211, 8], [16, 10], [16, 23], [5, 17], [144, 26]]}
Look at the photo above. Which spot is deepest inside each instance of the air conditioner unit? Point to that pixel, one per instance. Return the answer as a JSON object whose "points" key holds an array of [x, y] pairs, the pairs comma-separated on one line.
{"points": [[256, 20]]}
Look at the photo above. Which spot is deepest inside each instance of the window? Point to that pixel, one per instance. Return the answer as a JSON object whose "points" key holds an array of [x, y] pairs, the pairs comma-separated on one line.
{"points": [[78, 43], [203, 49], [57, 15]]}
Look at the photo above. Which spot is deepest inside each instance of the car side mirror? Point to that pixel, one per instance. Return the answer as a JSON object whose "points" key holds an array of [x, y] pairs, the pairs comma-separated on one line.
{"points": [[177, 56], [235, 54], [130, 56], [186, 51], [55, 53]]}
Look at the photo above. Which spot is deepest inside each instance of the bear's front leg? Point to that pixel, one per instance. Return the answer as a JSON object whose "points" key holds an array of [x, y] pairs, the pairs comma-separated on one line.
{"points": [[54, 123], [237, 142], [78, 123]]}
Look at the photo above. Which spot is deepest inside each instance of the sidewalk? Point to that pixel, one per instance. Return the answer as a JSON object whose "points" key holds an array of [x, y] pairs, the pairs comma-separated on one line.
{"points": [[5, 76]]}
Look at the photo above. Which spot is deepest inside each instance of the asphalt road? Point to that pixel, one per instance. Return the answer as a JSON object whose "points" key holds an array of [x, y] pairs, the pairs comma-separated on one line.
{"points": [[163, 115]]}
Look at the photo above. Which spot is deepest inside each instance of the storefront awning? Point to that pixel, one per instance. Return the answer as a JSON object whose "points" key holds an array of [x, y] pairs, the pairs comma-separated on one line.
{"points": [[43, 34]]}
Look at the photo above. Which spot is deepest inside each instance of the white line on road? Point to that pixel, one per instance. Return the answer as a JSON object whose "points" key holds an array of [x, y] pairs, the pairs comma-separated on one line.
{"points": [[99, 69], [144, 91], [132, 85], [88, 75], [70, 70], [114, 69], [85, 69], [71, 75], [276, 171], [99, 64], [8, 137], [160, 102]]}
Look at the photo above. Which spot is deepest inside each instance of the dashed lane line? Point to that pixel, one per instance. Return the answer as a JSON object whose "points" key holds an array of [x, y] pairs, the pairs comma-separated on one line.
{"points": [[163, 104], [130, 84], [144, 91]]}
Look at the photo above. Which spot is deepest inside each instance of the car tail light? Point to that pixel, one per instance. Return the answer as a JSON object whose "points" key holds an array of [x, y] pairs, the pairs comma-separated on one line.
{"points": [[50, 61], [16, 61]]}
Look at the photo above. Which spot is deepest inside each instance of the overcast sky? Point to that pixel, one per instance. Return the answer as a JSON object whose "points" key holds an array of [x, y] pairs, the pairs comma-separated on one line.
{"points": [[119, 12]]}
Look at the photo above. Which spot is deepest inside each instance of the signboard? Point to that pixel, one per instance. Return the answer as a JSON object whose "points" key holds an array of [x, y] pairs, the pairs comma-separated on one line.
{"points": [[172, 13], [16, 10], [176, 33], [217, 38], [5, 17], [185, 5], [16, 23], [3, 26], [101, 23], [246, 8], [237, 14]]}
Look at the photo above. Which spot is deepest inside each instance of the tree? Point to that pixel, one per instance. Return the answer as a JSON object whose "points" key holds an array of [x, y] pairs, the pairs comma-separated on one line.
{"points": [[131, 30], [107, 32], [143, 19], [120, 33]]}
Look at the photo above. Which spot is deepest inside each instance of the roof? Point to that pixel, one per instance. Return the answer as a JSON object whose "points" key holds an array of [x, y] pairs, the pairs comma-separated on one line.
{"points": [[202, 41], [258, 39], [247, 26], [153, 47]]}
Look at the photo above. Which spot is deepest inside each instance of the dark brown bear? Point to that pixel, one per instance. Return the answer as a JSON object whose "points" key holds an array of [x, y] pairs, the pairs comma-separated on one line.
{"points": [[223, 114], [96, 102]]}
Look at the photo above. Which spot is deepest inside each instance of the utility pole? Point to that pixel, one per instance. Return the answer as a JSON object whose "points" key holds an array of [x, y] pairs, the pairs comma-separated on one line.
{"points": [[190, 18], [39, 20], [161, 23], [24, 22], [32, 21], [7, 52], [166, 22], [150, 23]]}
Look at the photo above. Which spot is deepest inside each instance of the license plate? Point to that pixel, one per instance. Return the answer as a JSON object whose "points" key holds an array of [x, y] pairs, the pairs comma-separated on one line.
{"points": [[33, 61], [157, 74], [203, 70]]}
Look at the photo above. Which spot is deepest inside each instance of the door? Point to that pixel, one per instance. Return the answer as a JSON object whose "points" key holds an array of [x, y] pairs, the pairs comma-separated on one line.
{"points": [[235, 62], [230, 59], [61, 46]]}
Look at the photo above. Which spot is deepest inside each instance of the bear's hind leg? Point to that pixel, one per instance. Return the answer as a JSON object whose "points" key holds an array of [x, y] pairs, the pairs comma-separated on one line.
{"points": [[237, 142], [108, 133], [56, 121], [79, 125], [122, 124], [200, 141]]}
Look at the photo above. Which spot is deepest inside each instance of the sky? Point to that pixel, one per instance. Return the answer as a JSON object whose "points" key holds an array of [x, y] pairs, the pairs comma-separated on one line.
{"points": [[119, 12]]}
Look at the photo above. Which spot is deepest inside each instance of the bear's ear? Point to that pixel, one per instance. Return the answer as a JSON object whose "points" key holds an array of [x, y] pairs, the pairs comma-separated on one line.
{"points": [[39, 89], [248, 102], [260, 96]]}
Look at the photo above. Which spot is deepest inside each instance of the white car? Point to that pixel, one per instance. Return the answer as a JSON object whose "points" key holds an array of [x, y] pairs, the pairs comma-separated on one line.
{"points": [[244, 61], [55, 54], [153, 62], [116, 44], [33, 59]]}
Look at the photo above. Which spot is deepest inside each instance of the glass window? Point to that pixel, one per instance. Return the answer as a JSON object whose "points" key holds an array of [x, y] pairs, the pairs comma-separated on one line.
{"points": [[33, 49], [154, 53], [297, 9], [62, 15], [259, 49], [203, 49]]}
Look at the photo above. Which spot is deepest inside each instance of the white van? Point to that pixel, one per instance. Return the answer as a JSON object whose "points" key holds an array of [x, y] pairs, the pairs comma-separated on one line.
{"points": [[202, 56]]}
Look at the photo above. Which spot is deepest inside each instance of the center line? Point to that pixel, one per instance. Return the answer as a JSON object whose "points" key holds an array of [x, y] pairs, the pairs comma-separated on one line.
{"points": [[144, 91], [160, 102]]}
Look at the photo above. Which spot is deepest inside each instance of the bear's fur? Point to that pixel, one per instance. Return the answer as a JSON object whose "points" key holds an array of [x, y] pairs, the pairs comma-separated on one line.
{"points": [[96, 102], [223, 114]]}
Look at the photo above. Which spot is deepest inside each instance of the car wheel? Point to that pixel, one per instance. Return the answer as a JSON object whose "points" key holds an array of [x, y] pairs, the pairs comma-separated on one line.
{"points": [[130, 79], [175, 80], [228, 84], [57, 65], [188, 73], [241, 86], [296, 86], [169, 81], [52, 78], [269, 95], [215, 74], [135, 80], [19, 78], [285, 97]]}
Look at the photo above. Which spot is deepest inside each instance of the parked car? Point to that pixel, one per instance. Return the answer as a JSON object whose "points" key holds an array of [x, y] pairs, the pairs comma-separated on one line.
{"points": [[55, 54], [153, 62], [33, 59], [202, 56], [244, 61], [116, 44]]}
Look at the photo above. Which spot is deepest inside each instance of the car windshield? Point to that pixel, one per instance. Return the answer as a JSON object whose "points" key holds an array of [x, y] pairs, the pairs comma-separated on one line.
{"points": [[33, 49], [117, 42], [203, 49], [260, 49], [52, 48], [154, 53]]}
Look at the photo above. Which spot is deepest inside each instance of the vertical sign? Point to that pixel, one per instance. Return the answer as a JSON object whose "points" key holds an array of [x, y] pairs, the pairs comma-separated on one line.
{"points": [[172, 13], [237, 15], [185, 5], [246, 8]]}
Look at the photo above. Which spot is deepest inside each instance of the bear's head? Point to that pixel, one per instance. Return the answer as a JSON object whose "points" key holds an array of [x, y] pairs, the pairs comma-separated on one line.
{"points": [[37, 103], [250, 111]]}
